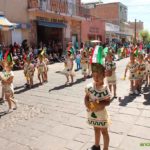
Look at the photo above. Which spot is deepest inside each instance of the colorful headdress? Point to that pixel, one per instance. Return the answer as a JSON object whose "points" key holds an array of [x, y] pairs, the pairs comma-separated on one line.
{"points": [[41, 53], [8, 59], [98, 68]]}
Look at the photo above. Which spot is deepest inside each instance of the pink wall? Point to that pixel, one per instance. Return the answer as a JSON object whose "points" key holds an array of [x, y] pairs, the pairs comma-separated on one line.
{"points": [[93, 27]]}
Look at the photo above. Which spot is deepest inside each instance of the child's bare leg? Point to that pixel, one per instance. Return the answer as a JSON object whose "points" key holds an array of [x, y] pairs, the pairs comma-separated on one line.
{"points": [[71, 78], [110, 87], [97, 136], [2, 93], [7, 96], [43, 77], [105, 137], [14, 102], [46, 76], [39, 77], [115, 88], [131, 85], [67, 76], [31, 81], [136, 84]]}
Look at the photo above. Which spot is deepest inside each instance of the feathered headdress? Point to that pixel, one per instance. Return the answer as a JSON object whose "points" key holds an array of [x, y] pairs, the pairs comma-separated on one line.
{"points": [[8, 58]]}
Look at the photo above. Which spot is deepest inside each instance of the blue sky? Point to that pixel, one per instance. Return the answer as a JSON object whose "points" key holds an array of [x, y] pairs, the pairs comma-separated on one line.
{"points": [[137, 9]]}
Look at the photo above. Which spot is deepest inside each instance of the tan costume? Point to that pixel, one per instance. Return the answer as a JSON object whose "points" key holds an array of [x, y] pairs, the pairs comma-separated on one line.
{"points": [[110, 66], [100, 118]]}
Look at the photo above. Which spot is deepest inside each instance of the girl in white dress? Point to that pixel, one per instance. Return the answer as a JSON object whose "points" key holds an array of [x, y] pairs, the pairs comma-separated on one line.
{"points": [[110, 66], [68, 71], [29, 72], [132, 66], [96, 99], [148, 70], [84, 63], [7, 78], [41, 68]]}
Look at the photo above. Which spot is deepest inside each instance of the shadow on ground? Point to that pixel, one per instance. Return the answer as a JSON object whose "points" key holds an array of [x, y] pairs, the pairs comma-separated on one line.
{"points": [[26, 89], [3, 114], [78, 81], [126, 100]]}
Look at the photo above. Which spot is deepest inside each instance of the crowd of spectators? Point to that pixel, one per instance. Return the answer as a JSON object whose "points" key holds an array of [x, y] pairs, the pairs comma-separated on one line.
{"points": [[53, 51]]}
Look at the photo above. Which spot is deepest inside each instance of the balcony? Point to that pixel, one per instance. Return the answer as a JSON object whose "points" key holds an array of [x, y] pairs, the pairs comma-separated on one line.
{"points": [[59, 7]]}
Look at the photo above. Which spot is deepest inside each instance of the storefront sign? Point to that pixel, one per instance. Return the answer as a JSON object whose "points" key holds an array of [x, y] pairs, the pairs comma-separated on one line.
{"points": [[56, 20], [94, 30], [112, 27]]}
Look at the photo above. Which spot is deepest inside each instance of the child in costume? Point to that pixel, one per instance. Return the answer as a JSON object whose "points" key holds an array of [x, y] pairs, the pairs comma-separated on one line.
{"points": [[78, 60], [46, 68], [141, 71], [90, 53], [68, 71], [41, 68], [110, 66], [29, 72], [132, 66], [84, 63], [147, 61], [7, 81], [96, 99], [3, 95]]}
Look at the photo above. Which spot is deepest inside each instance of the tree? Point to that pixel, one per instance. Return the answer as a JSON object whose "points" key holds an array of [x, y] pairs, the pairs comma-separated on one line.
{"points": [[145, 36]]}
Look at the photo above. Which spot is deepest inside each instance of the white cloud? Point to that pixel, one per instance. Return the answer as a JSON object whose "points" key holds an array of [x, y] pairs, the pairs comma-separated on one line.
{"points": [[137, 9]]}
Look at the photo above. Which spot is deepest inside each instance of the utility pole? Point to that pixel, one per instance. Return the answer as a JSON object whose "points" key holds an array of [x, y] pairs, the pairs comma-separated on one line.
{"points": [[135, 34]]}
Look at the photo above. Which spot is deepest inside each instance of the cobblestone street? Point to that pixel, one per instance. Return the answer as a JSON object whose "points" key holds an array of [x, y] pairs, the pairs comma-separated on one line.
{"points": [[53, 116]]}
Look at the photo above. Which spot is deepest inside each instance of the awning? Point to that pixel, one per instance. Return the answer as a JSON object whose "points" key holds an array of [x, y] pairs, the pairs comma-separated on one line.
{"points": [[51, 24], [123, 34], [5, 24]]}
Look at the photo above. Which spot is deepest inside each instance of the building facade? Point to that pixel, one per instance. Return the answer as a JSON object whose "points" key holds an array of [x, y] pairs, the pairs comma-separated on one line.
{"points": [[45, 20], [93, 30], [15, 11], [115, 16], [115, 13]]}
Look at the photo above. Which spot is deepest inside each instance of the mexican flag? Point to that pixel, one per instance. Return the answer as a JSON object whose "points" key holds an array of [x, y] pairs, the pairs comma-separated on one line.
{"points": [[105, 51], [97, 56]]}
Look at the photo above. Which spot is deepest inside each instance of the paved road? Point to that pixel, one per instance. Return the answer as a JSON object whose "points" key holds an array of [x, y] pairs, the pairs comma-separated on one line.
{"points": [[56, 120]]}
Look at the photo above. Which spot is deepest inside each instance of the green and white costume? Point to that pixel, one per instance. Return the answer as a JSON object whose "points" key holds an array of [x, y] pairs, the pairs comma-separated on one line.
{"points": [[132, 71], [100, 118], [111, 66]]}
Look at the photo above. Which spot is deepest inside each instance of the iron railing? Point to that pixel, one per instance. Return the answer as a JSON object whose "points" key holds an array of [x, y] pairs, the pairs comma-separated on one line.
{"points": [[60, 6]]}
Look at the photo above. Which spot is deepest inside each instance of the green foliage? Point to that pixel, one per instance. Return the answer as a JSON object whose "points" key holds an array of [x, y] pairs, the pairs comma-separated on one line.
{"points": [[145, 35]]}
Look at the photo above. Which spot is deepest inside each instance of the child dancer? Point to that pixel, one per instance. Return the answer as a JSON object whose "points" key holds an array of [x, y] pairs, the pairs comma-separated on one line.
{"points": [[96, 99], [90, 61], [7, 81], [110, 73], [46, 61], [141, 71], [148, 70], [78, 60], [29, 72], [41, 68], [84, 63], [68, 71], [132, 66], [3, 95]]}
